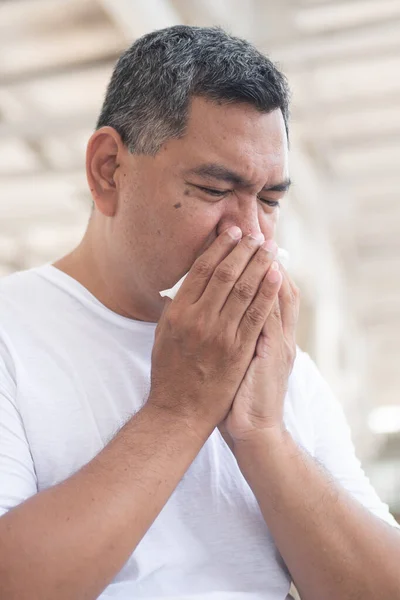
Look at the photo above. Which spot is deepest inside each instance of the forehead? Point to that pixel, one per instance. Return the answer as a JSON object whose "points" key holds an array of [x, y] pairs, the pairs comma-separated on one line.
{"points": [[239, 136]]}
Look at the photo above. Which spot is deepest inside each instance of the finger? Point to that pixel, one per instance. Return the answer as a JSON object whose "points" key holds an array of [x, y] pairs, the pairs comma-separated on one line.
{"points": [[274, 314], [271, 330], [294, 290], [289, 305], [245, 288], [260, 308], [203, 268], [228, 272]]}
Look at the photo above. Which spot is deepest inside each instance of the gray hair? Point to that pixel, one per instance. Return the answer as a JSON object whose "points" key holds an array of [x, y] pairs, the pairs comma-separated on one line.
{"points": [[148, 97]]}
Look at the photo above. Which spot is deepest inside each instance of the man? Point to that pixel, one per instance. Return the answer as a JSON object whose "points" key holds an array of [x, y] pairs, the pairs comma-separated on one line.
{"points": [[152, 448]]}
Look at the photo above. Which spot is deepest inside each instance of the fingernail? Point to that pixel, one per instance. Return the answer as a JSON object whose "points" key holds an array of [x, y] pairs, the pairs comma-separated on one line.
{"points": [[235, 233], [274, 273]]}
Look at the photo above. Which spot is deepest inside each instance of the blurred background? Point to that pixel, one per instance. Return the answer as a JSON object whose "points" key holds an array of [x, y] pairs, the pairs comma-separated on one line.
{"points": [[341, 223]]}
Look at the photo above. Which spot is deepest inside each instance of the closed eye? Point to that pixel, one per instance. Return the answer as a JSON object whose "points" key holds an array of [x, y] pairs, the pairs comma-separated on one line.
{"points": [[271, 203], [220, 193], [213, 192]]}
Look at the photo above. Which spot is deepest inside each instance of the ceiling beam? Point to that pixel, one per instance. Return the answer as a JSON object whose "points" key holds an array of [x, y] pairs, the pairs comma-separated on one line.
{"points": [[357, 141], [336, 16], [316, 50], [352, 129], [135, 19], [35, 75], [41, 126], [238, 16]]}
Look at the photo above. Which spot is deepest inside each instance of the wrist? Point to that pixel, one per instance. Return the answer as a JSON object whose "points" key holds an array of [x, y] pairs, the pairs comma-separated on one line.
{"points": [[157, 410], [270, 440]]}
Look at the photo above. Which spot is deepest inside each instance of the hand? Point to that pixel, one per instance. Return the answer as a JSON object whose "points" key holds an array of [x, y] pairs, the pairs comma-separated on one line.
{"points": [[207, 336], [258, 404]]}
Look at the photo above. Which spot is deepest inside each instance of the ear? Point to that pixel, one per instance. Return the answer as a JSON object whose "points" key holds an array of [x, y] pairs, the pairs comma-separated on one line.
{"points": [[103, 157]]}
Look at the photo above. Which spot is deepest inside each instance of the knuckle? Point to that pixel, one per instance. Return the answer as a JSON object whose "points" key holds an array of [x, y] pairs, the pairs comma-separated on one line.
{"points": [[276, 313], [225, 273], [296, 294], [243, 290], [274, 316], [261, 257], [202, 267], [266, 292], [290, 299], [255, 316]]}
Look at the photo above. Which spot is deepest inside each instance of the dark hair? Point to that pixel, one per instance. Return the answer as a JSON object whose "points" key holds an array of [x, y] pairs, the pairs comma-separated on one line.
{"points": [[148, 97]]}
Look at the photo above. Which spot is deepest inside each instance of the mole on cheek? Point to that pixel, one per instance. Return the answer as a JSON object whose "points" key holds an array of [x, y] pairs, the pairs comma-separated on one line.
{"points": [[177, 205]]}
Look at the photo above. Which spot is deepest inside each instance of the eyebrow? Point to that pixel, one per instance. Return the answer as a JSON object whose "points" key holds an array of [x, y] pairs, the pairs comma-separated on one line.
{"points": [[221, 173]]}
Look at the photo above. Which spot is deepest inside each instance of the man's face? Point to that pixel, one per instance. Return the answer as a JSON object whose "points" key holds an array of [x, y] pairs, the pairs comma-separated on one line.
{"points": [[222, 172]]}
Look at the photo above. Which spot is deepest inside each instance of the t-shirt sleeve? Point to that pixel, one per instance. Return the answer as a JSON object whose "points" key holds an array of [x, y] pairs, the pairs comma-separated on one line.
{"points": [[333, 446], [17, 473]]}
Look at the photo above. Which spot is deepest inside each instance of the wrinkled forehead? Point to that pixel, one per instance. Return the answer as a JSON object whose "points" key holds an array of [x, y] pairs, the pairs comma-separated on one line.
{"points": [[238, 136]]}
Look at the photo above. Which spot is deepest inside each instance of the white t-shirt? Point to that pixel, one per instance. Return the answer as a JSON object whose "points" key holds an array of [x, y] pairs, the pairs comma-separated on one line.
{"points": [[72, 372]]}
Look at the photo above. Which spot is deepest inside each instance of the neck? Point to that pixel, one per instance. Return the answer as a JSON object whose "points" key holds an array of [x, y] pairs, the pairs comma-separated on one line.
{"points": [[89, 265]]}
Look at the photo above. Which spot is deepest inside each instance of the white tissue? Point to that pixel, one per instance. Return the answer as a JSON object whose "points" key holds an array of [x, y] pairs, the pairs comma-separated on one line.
{"points": [[282, 256]]}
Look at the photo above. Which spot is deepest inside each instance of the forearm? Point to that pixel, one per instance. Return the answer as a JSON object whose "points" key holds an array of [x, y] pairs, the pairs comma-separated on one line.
{"points": [[333, 547], [69, 541]]}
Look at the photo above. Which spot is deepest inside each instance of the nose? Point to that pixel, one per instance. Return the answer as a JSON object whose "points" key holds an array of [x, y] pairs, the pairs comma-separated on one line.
{"points": [[247, 217]]}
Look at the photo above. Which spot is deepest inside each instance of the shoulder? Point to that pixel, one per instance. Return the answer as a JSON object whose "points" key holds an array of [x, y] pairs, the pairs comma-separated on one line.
{"points": [[20, 293], [24, 295], [20, 287]]}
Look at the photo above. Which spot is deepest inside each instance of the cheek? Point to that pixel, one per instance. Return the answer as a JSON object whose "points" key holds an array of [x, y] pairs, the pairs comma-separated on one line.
{"points": [[189, 222], [268, 222], [198, 217], [197, 223]]}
